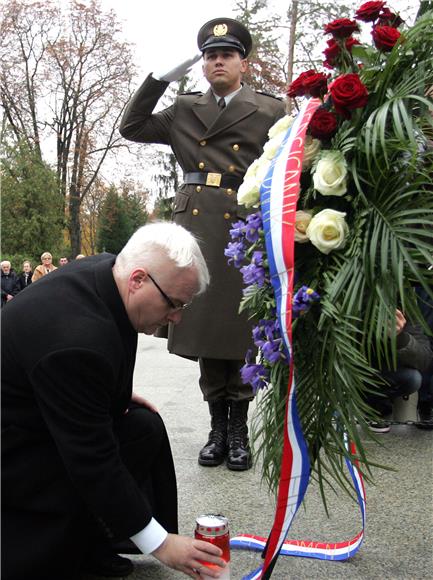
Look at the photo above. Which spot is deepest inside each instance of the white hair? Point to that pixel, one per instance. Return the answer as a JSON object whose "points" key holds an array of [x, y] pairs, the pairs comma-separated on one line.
{"points": [[151, 243]]}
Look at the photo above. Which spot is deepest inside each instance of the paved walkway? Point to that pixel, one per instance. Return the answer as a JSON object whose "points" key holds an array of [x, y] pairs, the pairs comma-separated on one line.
{"points": [[399, 533]]}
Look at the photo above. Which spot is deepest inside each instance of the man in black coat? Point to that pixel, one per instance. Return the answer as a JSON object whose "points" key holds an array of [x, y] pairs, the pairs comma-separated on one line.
{"points": [[85, 462], [9, 282], [25, 278]]}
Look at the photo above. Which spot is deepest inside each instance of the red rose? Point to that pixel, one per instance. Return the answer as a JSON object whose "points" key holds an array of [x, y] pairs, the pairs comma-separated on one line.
{"points": [[385, 37], [351, 42], [316, 85], [332, 52], [341, 28], [348, 93], [388, 18], [297, 88], [369, 11], [323, 124]]}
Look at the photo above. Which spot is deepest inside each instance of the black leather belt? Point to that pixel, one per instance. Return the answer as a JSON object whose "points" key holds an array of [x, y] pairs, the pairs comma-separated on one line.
{"points": [[213, 180]]}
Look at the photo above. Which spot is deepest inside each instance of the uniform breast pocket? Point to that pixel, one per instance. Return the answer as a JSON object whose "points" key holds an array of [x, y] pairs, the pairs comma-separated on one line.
{"points": [[180, 214], [180, 202]]}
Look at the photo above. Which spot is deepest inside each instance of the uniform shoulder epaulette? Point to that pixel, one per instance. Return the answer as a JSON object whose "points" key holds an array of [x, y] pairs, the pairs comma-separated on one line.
{"points": [[191, 93], [269, 95]]}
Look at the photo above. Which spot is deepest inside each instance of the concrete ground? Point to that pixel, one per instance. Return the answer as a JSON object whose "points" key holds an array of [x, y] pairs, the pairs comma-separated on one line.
{"points": [[399, 532]]}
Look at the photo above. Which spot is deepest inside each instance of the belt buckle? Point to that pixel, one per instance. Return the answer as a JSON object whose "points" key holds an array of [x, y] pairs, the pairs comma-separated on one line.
{"points": [[213, 179]]}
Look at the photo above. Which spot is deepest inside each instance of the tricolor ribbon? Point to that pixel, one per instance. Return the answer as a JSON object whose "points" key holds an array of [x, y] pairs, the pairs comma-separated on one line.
{"points": [[279, 195]]}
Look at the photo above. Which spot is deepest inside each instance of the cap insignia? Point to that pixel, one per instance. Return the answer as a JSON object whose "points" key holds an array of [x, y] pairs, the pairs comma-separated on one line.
{"points": [[220, 30]]}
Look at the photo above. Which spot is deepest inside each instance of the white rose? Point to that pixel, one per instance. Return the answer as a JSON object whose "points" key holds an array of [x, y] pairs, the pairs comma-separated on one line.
{"points": [[249, 192], [302, 221], [252, 169], [311, 149], [330, 177], [262, 168], [328, 230], [280, 126], [271, 147]]}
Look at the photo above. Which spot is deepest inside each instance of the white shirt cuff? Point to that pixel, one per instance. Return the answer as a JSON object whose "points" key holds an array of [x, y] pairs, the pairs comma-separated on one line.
{"points": [[150, 537]]}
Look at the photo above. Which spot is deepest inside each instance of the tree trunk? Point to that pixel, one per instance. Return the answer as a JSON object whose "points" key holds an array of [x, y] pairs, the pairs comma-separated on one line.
{"points": [[292, 40], [74, 221]]}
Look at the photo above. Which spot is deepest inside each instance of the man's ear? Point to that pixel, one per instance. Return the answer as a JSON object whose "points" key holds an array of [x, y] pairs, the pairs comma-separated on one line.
{"points": [[136, 279]]}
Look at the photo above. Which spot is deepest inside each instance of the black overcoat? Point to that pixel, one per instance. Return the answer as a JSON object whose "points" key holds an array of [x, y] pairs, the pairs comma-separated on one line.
{"points": [[204, 139], [62, 388]]}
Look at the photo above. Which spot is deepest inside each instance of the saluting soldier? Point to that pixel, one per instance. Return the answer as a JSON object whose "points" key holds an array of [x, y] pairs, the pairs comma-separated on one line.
{"points": [[215, 137]]}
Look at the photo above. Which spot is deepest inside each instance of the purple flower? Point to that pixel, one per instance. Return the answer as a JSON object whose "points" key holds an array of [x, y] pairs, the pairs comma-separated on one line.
{"points": [[303, 299], [257, 258], [253, 227], [254, 374], [253, 274], [235, 251], [238, 230], [265, 330], [272, 351], [267, 336]]}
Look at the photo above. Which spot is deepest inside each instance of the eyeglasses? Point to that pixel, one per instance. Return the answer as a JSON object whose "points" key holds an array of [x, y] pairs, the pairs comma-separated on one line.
{"points": [[167, 298]]}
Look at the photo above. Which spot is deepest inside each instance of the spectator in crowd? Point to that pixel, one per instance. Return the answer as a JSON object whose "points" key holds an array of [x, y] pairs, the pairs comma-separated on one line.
{"points": [[86, 462], [425, 394], [45, 267], [25, 278], [215, 137], [63, 260], [9, 287], [414, 355]]}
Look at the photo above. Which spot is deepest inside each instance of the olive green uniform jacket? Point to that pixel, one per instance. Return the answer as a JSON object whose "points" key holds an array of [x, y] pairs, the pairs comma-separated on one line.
{"points": [[207, 140]]}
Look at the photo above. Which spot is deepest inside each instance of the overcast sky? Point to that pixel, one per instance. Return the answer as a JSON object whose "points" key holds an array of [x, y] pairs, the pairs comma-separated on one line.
{"points": [[165, 31]]}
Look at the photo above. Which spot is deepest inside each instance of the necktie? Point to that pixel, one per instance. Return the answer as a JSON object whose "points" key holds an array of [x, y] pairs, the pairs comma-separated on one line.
{"points": [[221, 103]]}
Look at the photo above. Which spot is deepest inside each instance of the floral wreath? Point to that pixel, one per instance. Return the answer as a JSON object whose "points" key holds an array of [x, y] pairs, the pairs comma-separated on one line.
{"points": [[363, 236]]}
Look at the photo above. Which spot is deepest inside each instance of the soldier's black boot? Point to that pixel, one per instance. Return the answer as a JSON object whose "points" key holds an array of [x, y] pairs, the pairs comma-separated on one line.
{"points": [[215, 450], [239, 453]]}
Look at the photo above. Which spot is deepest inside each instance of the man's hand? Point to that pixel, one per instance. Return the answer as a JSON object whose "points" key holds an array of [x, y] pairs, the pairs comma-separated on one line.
{"points": [[178, 71], [184, 554], [400, 321], [135, 398]]}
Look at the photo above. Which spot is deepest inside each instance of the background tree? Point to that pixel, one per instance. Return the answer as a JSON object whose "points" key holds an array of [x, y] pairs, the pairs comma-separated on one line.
{"points": [[113, 225], [266, 61], [163, 208], [31, 209], [135, 200], [122, 211], [65, 78], [90, 210]]}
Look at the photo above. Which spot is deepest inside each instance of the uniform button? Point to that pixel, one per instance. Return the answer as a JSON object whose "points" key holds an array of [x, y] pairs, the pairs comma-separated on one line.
{"points": [[203, 143], [198, 188], [232, 168], [229, 191], [227, 216], [201, 165], [195, 211], [235, 147]]}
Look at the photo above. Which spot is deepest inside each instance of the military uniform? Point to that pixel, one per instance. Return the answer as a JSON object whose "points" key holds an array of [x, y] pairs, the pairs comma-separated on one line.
{"points": [[212, 145], [214, 148]]}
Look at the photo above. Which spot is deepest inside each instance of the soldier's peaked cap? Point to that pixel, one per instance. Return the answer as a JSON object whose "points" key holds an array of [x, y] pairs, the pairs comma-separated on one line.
{"points": [[225, 32]]}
